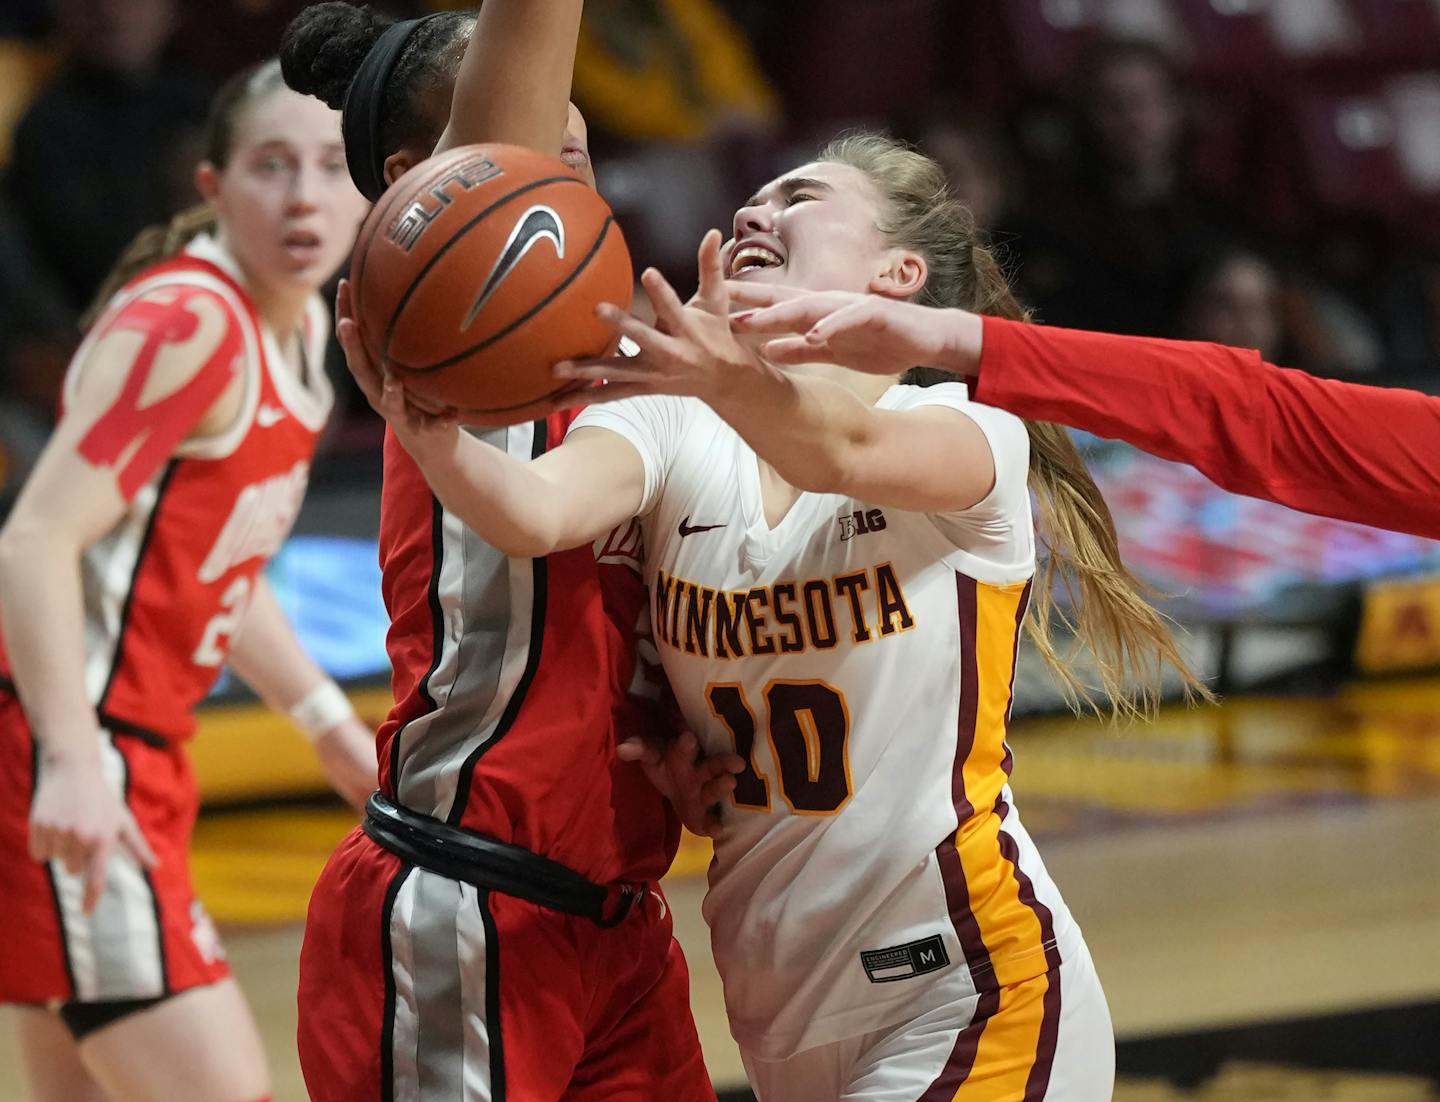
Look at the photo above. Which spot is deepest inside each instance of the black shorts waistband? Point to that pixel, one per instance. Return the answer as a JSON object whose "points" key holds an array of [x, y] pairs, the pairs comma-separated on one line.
{"points": [[493, 865]]}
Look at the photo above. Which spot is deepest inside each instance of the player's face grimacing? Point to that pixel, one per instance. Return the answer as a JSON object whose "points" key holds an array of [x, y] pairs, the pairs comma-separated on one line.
{"points": [[285, 198], [817, 227]]}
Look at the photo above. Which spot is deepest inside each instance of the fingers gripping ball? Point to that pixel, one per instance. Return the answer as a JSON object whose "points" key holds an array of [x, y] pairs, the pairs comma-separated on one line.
{"points": [[479, 270]]}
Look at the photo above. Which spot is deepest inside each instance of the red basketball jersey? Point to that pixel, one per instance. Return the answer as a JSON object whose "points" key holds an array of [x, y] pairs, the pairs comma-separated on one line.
{"points": [[167, 588], [513, 679]]}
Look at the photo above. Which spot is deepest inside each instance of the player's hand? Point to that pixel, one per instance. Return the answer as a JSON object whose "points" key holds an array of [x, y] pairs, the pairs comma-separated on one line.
{"points": [[869, 333], [75, 818], [423, 431], [346, 753], [695, 784], [690, 350]]}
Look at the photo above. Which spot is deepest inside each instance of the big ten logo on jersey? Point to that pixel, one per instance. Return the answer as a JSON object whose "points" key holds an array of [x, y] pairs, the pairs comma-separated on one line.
{"points": [[410, 225], [861, 523], [786, 617]]}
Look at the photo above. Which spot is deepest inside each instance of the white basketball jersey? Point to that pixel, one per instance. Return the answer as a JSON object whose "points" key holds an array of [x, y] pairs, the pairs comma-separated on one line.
{"points": [[860, 659]]}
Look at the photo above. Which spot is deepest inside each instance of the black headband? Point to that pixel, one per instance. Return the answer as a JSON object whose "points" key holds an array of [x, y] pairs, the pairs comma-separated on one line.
{"points": [[363, 117]]}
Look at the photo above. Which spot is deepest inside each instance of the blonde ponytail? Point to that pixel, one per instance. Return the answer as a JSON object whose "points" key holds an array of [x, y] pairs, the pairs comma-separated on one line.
{"points": [[1109, 611]]}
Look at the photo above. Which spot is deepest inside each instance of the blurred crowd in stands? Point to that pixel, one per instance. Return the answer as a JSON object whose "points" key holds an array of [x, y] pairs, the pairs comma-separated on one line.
{"points": [[1260, 172]]}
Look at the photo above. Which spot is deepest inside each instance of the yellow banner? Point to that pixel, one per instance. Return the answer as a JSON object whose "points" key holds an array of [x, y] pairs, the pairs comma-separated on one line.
{"points": [[1400, 626]]}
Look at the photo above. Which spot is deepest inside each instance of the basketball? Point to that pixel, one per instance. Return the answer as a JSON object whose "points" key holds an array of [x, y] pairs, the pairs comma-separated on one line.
{"points": [[479, 270]]}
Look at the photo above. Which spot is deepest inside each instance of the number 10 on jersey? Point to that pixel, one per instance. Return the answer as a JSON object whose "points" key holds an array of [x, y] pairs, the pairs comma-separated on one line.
{"points": [[808, 724]]}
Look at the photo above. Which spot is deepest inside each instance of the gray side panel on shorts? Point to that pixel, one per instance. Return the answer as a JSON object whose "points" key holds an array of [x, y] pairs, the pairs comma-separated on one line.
{"points": [[439, 967], [115, 952], [440, 1041]]}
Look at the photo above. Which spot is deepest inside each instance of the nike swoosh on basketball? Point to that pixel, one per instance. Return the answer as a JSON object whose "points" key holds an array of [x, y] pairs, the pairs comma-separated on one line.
{"points": [[537, 224], [269, 416], [686, 530]]}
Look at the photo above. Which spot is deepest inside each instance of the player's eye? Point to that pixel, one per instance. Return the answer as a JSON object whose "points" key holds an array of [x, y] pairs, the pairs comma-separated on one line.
{"points": [[800, 197]]}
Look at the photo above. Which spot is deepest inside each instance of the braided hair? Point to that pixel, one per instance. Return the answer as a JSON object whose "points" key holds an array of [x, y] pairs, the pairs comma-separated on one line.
{"points": [[324, 46]]}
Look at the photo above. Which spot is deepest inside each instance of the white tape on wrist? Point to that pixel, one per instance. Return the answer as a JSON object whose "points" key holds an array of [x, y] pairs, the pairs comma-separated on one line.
{"points": [[322, 708]]}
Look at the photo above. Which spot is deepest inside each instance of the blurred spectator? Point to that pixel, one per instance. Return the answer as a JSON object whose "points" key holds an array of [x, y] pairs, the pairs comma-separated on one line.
{"points": [[1240, 298], [977, 164], [95, 155], [1386, 272], [1133, 119], [1117, 238], [1329, 332], [1237, 301], [669, 70]]}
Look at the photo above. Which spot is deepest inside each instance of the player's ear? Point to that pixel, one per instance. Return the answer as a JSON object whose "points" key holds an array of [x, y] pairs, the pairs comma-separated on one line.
{"points": [[207, 181], [904, 276], [399, 163]]}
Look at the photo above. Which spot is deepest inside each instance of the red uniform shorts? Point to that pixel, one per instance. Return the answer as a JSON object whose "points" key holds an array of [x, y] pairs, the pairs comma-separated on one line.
{"points": [[415, 986], [148, 937]]}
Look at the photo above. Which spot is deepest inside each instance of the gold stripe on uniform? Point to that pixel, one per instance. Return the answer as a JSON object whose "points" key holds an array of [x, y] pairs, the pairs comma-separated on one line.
{"points": [[1008, 926], [1009, 1044]]}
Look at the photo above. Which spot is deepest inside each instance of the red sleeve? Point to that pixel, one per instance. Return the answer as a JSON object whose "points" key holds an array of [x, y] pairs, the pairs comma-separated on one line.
{"points": [[1358, 453]]}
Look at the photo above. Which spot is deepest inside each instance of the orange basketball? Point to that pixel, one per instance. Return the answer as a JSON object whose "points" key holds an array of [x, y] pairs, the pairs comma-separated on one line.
{"points": [[479, 270]]}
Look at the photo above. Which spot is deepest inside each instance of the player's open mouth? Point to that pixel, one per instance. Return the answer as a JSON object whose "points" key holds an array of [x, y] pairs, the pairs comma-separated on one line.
{"points": [[303, 246], [753, 258]]}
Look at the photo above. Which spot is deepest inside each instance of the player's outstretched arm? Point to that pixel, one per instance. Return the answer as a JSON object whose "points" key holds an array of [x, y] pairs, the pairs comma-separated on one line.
{"points": [[572, 495], [514, 84], [818, 435], [868, 333], [267, 656], [1359, 453], [1345, 450]]}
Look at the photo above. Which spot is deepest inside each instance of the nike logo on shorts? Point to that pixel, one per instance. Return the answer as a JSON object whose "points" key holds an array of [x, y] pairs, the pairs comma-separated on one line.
{"points": [[269, 416]]}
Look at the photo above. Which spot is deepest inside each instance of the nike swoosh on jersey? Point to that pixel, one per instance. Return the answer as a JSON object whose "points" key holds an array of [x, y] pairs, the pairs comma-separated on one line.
{"points": [[686, 530], [269, 416], [537, 224]]}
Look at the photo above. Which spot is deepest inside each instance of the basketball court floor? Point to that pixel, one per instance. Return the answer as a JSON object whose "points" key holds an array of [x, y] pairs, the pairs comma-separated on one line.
{"points": [[1259, 883]]}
